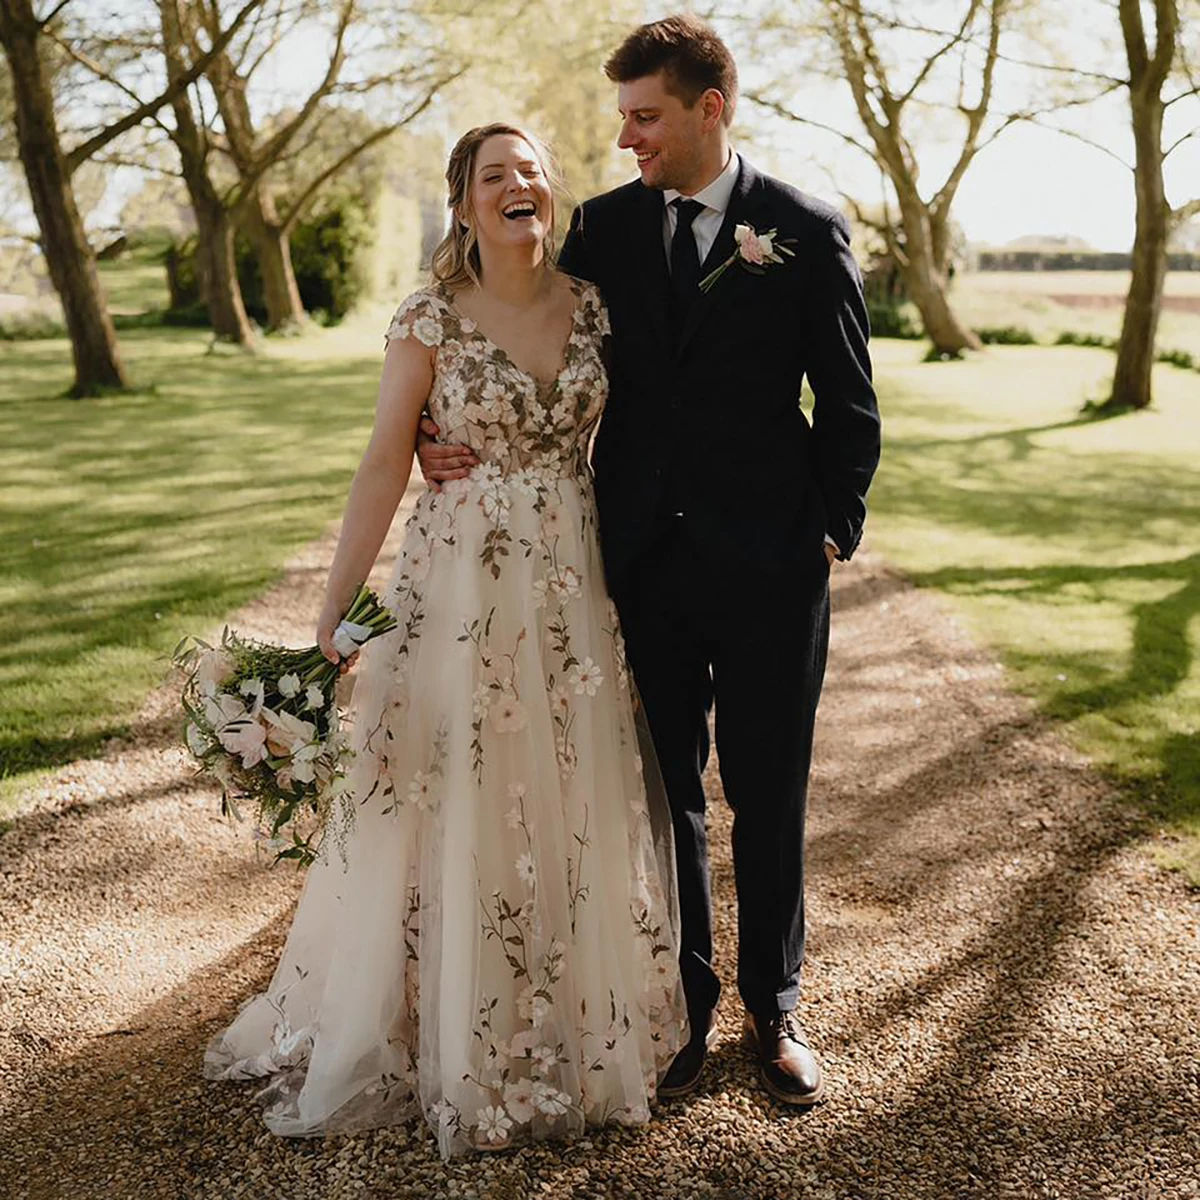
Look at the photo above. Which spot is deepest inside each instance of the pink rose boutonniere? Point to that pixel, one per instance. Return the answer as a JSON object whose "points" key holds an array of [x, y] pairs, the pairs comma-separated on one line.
{"points": [[755, 251]]}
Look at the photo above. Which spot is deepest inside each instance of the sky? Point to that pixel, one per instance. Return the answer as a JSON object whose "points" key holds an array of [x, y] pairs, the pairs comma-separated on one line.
{"points": [[1031, 181]]}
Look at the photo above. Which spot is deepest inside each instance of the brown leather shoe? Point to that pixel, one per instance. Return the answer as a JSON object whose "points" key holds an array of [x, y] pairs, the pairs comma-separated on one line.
{"points": [[684, 1073], [790, 1071]]}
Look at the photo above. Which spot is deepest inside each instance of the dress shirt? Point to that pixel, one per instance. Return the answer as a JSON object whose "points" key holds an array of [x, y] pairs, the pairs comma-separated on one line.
{"points": [[714, 197]]}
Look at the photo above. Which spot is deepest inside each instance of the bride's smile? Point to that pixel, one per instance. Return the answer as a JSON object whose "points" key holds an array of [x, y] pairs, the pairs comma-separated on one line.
{"points": [[510, 202]]}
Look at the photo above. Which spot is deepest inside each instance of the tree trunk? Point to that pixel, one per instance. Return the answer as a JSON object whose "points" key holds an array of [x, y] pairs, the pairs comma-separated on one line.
{"points": [[216, 265], [215, 259], [1143, 304], [274, 254], [928, 280], [69, 256]]}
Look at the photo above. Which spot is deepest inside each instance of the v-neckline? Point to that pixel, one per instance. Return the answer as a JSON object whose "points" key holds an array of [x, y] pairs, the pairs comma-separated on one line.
{"points": [[540, 385]]}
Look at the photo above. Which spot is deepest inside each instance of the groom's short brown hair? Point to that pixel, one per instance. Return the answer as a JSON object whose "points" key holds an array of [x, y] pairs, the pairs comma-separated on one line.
{"points": [[688, 52]]}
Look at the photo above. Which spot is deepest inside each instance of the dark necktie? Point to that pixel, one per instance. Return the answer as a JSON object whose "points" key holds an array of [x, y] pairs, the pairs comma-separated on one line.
{"points": [[685, 260]]}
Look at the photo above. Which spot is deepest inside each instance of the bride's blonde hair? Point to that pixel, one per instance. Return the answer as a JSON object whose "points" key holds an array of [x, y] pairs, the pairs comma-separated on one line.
{"points": [[456, 260]]}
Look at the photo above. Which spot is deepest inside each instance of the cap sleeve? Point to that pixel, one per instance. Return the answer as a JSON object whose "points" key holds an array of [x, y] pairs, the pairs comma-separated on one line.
{"points": [[419, 316], [598, 309]]}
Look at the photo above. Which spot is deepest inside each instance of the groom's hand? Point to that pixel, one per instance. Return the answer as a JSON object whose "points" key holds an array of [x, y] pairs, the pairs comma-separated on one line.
{"points": [[440, 464]]}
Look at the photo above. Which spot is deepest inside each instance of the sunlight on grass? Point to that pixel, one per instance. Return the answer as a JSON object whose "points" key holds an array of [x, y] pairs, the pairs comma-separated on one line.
{"points": [[1048, 303], [1072, 546], [130, 520]]}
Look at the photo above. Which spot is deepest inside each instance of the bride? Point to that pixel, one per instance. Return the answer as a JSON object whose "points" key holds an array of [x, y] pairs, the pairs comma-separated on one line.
{"points": [[492, 940]]}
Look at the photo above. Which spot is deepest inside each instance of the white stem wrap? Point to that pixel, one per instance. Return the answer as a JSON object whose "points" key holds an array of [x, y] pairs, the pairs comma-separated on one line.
{"points": [[348, 637]]}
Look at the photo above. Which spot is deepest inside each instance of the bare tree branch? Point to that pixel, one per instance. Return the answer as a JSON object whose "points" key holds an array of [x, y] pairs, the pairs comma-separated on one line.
{"points": [[297, 209], [82, 153], [1087, 141], [1179, 142], [44, 21], [955, 40], [1192, 91], [101, 72], [1184, 213], [781, 111], [1166, 26]]}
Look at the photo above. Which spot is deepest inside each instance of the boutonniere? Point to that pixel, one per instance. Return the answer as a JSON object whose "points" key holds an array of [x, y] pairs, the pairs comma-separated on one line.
{"points": [[755, 252]]}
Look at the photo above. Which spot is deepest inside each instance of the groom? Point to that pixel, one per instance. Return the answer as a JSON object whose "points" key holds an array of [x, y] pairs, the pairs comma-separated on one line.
{"points": [[721, 574]]}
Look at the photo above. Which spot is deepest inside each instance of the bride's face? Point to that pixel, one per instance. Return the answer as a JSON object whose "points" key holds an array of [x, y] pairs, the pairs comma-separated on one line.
{"points": [[511, 200]]}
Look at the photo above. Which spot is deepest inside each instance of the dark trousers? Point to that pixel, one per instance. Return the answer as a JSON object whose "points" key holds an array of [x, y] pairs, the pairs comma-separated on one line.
{"points": [[756, 647]]}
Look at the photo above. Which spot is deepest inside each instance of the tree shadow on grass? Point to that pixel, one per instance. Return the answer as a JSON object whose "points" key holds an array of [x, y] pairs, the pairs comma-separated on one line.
{"points": [[1161, 657]]}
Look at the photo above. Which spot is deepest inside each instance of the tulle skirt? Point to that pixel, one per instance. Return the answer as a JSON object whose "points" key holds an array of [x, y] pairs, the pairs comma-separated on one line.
{"points": [[490, 937]]}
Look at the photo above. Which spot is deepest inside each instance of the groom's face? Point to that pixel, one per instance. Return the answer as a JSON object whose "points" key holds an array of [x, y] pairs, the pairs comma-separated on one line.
{"points": [[667, 137]]}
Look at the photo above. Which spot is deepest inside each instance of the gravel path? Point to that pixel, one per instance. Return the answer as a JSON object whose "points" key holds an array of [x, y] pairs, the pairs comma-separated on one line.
{"points": [[1005, 992]]}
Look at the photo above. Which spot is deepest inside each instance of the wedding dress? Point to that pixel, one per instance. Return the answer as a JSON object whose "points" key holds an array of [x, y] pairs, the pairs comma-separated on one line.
{"points": [[490, 937]]}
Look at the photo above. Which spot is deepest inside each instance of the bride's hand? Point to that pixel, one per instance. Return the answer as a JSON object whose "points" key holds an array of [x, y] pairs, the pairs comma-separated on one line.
{"points": [[440, 464], [327, 623]]}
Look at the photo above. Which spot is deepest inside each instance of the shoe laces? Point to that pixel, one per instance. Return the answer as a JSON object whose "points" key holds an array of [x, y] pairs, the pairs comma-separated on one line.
{"points": [[790, 1028]]}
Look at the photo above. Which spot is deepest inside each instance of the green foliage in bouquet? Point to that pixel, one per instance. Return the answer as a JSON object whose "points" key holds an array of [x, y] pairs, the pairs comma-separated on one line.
{"points": [[263, 722]]}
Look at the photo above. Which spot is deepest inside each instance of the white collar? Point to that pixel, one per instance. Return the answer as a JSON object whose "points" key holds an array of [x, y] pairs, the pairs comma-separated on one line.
{"points": [[716, 195]]}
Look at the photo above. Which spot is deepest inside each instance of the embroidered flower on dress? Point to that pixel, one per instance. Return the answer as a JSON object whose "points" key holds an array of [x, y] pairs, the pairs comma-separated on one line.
{"points": [[416, 564], [568, 585], [544, 1059], [531, 1006], [518, 1099], [548, 1100], [494, 1123], [420, 791], [427, 330], [509, 714], [526, 871], [585, 677]]}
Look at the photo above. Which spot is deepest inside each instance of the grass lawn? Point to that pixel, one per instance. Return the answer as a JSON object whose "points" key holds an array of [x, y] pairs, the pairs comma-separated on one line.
{"points": [[1071, 546], [1048, 303], [129, 520]]}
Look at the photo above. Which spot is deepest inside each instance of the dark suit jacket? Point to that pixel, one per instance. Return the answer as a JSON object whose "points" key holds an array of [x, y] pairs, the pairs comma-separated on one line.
{"points": [[719, 407]]}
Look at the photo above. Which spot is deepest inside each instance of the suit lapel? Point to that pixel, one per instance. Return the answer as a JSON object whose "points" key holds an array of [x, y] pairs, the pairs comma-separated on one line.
{"points": [[741, 211], [652, 259]]}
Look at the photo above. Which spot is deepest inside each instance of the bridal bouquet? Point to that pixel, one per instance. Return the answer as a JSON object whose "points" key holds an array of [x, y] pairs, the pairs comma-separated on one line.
{"points": [[263, 722]]}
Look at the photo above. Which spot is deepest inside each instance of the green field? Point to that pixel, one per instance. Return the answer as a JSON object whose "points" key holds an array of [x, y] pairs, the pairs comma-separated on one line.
{"points": [[1072, 546], [129, 519], [1048, 303]]}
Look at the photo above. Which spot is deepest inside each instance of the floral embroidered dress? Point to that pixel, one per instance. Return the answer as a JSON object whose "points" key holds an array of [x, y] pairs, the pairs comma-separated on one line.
{"points": [[492, 936]]}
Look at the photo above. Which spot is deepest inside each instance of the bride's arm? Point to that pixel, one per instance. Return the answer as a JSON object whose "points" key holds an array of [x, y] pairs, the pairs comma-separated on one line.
{"points": [[380, 480]]}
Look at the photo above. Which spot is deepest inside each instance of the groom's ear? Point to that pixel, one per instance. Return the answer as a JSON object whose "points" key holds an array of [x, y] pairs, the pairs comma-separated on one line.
{"points": [[712, 109]]}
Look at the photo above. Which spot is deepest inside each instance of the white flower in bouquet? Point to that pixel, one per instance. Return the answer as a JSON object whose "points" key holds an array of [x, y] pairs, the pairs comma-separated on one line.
{"points": [[254, 691], [304, 763], [214, 668], [219, 710], [247, 738], [244, 702], [288, 733], [289, 685]]}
